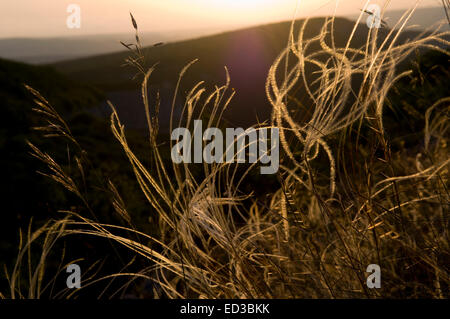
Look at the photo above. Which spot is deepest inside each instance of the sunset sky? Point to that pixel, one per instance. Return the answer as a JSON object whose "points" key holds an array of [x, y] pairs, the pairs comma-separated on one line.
{"points": [[47, 18]]}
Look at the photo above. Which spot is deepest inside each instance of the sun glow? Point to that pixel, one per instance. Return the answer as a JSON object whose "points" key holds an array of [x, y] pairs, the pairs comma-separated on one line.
{"points": [[244, 3], [246, 11]]}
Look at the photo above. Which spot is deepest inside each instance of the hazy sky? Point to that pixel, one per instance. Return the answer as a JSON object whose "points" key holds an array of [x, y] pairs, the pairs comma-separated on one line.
{"points": [[46, 18]]}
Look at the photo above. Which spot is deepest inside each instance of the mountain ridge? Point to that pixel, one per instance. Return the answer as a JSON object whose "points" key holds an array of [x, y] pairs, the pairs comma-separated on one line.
{"points": [[247, 53]]}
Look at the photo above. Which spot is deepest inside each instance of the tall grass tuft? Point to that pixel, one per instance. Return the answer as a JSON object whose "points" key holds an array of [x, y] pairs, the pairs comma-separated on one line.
{"points": [[339, 206]]}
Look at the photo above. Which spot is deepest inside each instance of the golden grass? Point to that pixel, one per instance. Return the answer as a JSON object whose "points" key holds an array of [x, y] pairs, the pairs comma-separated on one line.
{"points": [[319, 231]]}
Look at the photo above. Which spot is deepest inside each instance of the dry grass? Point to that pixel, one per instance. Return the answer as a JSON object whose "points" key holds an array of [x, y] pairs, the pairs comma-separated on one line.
{"points": [[321, 228]]}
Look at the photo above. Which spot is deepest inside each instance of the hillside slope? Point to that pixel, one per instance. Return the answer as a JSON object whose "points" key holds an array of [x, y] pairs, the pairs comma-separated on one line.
{"points": [[23, 192], [248, 55]]}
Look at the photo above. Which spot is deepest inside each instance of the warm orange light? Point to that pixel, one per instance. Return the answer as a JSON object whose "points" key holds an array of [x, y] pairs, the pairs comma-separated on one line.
{"points": [[244, 3], [248, 11]]}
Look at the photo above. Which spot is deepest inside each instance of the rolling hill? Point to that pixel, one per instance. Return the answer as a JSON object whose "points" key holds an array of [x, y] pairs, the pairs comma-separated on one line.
{"points": [[55, 49], [247, 53], [24, 192]]}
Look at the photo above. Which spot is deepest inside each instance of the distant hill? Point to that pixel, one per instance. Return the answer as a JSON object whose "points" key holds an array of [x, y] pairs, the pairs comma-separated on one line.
{"points": [[49, 50], [247, 53]]}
